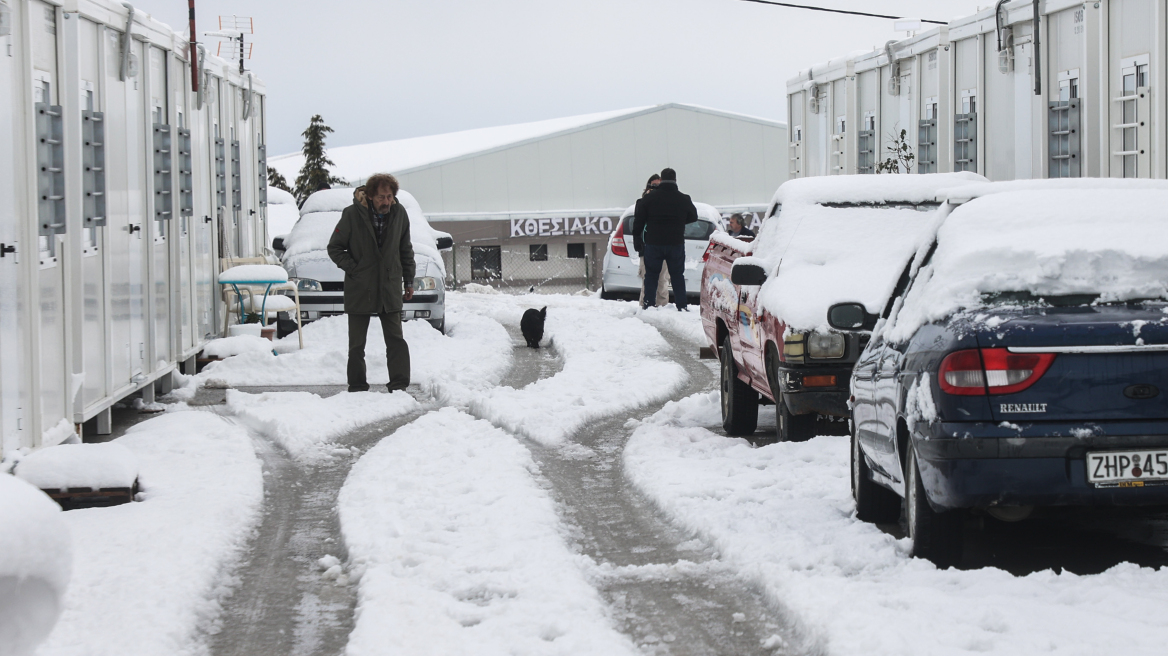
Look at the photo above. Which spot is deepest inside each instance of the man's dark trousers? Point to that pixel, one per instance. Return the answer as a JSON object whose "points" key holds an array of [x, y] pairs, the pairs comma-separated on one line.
{"points": [[672, 257], [397, 352]]}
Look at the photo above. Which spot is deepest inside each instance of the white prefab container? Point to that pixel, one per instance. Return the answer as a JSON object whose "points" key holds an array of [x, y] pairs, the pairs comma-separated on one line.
{"points": [[1078, 97], [112, 190], [818, 105]]}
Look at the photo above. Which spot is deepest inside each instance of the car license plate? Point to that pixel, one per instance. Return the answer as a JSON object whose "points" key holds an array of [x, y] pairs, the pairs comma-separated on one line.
{"points": [[1127, 468]]}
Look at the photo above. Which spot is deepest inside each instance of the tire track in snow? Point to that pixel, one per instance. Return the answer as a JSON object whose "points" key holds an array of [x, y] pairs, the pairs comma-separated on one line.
{"points": [[667, 590], [281, 603]]}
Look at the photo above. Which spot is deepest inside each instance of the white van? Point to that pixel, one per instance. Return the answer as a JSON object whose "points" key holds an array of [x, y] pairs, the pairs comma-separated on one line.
{"points": [[304, 254]]}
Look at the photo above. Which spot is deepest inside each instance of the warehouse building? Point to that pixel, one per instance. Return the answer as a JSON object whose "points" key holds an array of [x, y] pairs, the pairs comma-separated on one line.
{"points": [[534, 204], [992, 94]]}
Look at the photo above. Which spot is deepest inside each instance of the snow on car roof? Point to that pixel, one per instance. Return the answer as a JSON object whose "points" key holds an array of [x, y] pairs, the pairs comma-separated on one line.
{"points": [[322, 210], [871, 188], [817, 256], [1047, 242]]}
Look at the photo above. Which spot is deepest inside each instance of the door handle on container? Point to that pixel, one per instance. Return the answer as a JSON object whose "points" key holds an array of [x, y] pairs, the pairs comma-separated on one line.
{"points": [[134, 228], [207, 219], [6, 249]]}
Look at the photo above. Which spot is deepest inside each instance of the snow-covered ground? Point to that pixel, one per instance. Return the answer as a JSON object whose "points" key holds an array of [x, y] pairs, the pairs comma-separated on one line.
{"points": [[147, 576], [460, 551], [612, 363], [783, 515]]}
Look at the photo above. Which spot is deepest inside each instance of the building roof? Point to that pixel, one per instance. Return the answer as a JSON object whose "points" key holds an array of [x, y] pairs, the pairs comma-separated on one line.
{"points": [[355, 163]]}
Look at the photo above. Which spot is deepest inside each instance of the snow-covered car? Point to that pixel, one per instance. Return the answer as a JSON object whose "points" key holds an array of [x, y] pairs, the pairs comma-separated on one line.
{"points": [[765, 303], [321, 282], [1022, 363], [282, 215], [621, 261]]}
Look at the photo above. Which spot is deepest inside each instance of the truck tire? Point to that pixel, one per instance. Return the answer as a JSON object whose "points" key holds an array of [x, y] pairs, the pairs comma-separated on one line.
{"points": [[739, 400], [875, 503], [792, 428], [936, 536]]}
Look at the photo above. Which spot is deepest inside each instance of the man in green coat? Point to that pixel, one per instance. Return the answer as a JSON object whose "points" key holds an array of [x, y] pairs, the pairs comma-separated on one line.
{"points": [[371, 244]]}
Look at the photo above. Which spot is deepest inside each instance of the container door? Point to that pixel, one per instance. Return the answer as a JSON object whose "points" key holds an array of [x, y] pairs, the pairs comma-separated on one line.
{"points": [[162, 201], [13, 381], [94, 216], [1131, 70], [48, 213]]}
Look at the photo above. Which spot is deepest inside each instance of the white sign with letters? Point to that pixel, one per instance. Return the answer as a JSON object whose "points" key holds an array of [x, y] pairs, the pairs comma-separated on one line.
{"points": [[591, 225]]}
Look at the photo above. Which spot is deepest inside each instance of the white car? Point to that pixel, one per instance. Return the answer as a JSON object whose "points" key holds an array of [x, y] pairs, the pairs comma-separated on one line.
{"points": [[304, 253], [621, 262]]}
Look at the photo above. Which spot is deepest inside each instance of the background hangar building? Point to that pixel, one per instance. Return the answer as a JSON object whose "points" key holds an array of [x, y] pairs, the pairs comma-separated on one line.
{"points": [[535, 203]]}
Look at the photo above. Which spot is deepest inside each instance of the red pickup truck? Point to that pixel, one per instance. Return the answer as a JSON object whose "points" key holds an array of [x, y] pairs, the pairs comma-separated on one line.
{"points": [[789, 313]]}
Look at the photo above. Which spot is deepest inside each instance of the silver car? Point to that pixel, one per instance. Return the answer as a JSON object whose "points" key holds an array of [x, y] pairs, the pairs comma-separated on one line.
{"points": [[304, 253], [621, 262]]}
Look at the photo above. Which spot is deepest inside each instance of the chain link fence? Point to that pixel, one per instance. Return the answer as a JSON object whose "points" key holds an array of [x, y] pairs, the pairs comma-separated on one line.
{"points": [[521, 268]]}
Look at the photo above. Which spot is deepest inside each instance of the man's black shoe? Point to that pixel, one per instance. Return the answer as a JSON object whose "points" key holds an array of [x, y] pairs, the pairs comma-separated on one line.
{"points": [[358, 388]]}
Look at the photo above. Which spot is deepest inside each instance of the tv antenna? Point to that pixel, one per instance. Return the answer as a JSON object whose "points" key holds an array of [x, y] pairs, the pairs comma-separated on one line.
{"points": [[231, 35]]}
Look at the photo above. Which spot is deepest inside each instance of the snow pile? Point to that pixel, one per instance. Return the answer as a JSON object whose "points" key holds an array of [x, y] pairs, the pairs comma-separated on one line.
{"points": [[828, 255], [35, 563], [870, 188], [282, 212], [62, 432], [611, 365], [475, 350], [1044, 242], [94, 466], [226, 347], [311, 234], [686, 324], [784, 515], [151, 572], [460, 550], [304, 423]]}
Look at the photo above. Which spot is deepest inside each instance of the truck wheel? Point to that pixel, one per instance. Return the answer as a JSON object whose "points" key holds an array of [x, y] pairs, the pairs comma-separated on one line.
{"points": [[936, 536], [874, 503], [739, 400]]}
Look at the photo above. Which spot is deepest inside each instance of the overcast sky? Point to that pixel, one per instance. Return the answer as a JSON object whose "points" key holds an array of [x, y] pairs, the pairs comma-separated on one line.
{"points": [[390, 69]]}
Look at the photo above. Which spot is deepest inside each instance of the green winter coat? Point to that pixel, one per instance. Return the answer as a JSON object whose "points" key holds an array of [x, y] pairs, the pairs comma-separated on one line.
{"points": [[374, 276]]}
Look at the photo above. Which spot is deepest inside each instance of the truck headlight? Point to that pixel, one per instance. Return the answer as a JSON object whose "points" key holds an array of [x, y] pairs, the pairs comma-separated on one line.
{"points": [[307, 285], [425, 284], [826, 345]]}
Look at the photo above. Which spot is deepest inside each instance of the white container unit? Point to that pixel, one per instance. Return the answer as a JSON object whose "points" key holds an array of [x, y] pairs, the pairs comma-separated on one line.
{"points": [[817, 104], [109, 192], [980, 94]]}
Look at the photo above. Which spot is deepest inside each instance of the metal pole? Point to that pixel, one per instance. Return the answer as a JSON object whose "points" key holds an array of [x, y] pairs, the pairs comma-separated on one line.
{"points": [[193, 53]]}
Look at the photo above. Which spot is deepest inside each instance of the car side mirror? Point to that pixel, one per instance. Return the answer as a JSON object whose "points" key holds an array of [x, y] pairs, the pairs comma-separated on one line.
{"points": [[747, 274], [445, 243], [850, 316], [278, 244]]}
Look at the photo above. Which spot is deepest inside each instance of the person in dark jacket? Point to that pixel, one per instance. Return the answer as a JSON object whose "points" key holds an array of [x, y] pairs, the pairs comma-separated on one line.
{"points": [[659, 233], [371, 244], [663, 281], [737, 227]]}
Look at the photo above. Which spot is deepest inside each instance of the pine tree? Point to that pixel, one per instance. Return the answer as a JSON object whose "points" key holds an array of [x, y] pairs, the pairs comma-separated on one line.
{"points": [[315, 173], [278, 181]]}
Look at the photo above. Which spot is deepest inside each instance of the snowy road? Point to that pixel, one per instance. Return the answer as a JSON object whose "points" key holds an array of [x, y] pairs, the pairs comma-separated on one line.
{"points": [[578, 499]]}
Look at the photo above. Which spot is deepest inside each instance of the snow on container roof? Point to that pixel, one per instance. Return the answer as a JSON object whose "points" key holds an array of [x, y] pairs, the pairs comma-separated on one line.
{"points": [[1046, 242], [355, 163], [911, 188]]}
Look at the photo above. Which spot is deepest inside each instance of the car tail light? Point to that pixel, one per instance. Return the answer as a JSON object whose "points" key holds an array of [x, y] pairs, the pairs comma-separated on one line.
{"points": [[706, 255], [977, 372], [618, 241]]}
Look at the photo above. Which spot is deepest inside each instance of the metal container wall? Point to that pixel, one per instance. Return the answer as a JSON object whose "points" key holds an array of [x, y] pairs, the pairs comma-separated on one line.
{"points": [[108, 192]]}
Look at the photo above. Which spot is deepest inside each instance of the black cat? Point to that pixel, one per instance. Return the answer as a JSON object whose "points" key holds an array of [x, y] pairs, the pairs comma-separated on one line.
{"points": [[532, 326]]}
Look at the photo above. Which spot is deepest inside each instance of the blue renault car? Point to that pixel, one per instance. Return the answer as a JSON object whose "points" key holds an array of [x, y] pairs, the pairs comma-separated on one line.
{"points": [[1022, 362]]}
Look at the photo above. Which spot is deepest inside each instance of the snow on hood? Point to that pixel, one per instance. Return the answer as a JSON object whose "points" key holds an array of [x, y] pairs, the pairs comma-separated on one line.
{"points": [[277, 196], [910, 188], [828, 255], [1049, 242], [310, 236]]}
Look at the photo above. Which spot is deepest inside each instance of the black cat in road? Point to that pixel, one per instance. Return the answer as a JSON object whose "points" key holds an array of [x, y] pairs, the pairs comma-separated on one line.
{"points": [[532, 326]]}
